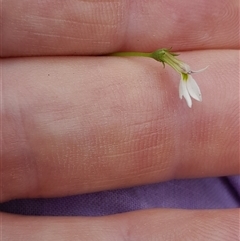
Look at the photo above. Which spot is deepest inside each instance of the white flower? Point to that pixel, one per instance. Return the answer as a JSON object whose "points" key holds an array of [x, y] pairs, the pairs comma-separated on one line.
{"points": [[188, 88]]}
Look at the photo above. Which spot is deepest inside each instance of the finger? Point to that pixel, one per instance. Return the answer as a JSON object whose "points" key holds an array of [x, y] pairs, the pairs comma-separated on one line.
{"points": [[97, 27], [141, 225], [76, 125]]}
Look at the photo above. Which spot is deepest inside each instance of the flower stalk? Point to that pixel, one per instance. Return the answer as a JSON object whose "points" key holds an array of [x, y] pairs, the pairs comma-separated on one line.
{"points": [[127, 54]]}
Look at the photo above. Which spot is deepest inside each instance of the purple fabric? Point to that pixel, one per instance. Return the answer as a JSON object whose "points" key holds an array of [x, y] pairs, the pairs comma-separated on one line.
{"points": [[207, 193]]}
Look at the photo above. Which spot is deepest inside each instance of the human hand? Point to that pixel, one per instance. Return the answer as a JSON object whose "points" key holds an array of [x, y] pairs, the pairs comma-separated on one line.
{"points": [[83, 124]]}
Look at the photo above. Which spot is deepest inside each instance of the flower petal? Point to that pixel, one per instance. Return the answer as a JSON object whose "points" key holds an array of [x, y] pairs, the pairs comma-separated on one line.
{"points": [[181, 89], [193, 89], [198, 71], [184, 92]]}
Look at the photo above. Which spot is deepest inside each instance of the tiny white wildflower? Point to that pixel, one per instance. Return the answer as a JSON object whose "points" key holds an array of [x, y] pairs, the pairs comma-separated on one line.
{"points": [[188, 87]]}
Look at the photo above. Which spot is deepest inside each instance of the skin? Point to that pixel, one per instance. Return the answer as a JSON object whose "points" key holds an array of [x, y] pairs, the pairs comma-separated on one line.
{"points": [[77, 124]]}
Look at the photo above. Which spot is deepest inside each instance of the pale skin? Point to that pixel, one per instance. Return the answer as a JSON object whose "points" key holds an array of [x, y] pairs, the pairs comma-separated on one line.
{"points": [[77, 124]]}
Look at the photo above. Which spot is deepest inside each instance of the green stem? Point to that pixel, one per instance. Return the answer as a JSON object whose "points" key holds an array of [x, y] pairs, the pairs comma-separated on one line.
{"points": [[126, 54]]}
